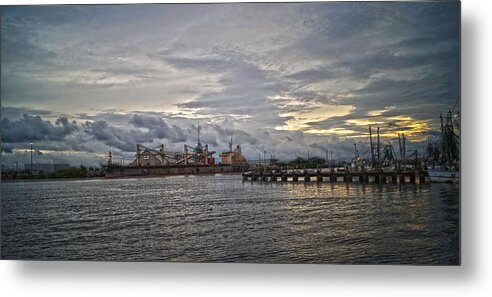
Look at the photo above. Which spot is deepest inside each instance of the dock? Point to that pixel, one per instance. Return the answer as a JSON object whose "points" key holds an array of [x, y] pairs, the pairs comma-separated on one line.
{"points": [[320, 175]]}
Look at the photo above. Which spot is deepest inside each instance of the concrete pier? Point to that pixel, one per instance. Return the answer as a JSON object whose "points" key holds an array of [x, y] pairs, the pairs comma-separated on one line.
{"points": [[316, 175]]}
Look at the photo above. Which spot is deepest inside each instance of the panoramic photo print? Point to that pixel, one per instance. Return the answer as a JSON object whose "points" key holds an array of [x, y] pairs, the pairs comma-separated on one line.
{"points": [[323, 132]]}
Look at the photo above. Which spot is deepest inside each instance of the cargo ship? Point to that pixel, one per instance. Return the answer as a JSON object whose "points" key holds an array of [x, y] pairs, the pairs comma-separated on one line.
{"points": [[195, 160]]}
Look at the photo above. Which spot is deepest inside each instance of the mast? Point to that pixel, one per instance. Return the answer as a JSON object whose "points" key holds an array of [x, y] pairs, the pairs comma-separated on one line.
{"points": [[110, 160], [404, 146], [206, 154], [331, 157], [400, 147], [451, 121], [198, 132], [163, 155], [372, 146], [442, 133], [379, 153], [138, 154]]}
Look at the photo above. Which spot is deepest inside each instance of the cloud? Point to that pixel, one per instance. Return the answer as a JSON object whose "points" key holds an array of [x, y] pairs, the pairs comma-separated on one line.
{"points": [[158, 128], [328, 69], [34, 128], [116, 137], [226, 130]]}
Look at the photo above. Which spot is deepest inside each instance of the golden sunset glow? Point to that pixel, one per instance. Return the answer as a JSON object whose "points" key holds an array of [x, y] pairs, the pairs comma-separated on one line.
{"points": [[375, 113], [354, 128], [364, 122], [317, 113], [333, 131]]}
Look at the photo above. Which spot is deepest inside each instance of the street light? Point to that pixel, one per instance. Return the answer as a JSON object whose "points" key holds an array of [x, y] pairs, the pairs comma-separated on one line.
{"points": [[31, 158]]}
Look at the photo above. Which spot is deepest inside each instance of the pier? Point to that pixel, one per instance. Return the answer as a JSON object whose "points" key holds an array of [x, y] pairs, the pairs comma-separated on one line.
{"points": [[320, 175]]}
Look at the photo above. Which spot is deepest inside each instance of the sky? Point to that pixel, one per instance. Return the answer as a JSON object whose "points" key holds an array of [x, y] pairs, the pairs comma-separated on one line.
{"points": [[78, 81]]}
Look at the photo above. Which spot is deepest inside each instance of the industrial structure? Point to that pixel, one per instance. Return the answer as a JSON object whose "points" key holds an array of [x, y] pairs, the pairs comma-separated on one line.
{"points": [[233, 156], [198, 159]]}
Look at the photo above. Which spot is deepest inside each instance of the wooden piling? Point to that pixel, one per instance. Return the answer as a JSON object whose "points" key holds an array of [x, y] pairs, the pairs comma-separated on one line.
{"points": [[395, 177], [348, 178]]}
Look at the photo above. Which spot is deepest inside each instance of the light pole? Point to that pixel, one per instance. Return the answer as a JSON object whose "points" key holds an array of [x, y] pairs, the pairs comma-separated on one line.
{"points": [[31, 158]]}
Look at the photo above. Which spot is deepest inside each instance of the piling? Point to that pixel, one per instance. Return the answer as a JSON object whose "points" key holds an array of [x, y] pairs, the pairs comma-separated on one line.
{"points": [[377, 177]]}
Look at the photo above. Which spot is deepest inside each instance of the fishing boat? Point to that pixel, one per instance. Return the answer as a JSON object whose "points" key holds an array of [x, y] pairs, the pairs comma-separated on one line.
{"points": [[444, 157], [443, 175]]}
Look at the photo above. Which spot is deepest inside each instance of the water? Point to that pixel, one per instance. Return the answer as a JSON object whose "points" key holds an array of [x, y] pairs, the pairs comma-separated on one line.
{"points": [[221, 219]]}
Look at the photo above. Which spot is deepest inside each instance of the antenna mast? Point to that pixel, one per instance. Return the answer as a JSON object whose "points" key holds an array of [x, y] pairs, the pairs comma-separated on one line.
{"points": [[198, 131]]}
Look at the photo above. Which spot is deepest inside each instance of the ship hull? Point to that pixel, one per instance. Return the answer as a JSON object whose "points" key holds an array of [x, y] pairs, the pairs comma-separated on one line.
{"points": [[443, 176], [152, 171]]}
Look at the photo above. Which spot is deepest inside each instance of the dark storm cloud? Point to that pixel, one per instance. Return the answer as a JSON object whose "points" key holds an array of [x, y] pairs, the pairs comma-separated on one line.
{"points": [[371, 39], [7, 148], [421, 98], [243, 85], [158, 128], [18, 113], [226, 131], [116, 137], [34, 128]]}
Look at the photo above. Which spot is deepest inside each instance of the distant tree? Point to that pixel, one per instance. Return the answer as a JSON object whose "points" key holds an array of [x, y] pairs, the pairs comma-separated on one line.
{"points": [[298, 160], [317, 161]]}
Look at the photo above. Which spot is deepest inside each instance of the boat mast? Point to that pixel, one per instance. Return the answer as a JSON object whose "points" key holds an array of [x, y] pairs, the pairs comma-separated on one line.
{"points": [[372, 146]]}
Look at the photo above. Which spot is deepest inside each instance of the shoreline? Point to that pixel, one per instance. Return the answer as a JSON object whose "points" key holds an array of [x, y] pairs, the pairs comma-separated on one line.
{"points": [[50, 179]]}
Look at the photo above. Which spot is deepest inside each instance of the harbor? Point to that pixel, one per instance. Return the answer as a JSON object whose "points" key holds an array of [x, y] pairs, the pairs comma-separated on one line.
{"points": [[439, 163], [381, 163]]}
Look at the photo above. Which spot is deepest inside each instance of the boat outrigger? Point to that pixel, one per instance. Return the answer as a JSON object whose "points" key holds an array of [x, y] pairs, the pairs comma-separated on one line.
{"points": [[444, 156]]}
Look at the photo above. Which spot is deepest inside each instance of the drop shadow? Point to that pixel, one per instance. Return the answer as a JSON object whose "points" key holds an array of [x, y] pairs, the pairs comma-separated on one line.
{"points": [[40, 270]]}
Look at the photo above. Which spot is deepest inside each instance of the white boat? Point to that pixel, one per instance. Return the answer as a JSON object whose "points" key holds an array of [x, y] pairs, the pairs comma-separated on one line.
{"points": [[443, 175]]}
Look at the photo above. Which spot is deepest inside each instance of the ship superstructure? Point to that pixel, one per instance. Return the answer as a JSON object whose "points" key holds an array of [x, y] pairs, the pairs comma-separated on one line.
{"points": [[233, 157]]}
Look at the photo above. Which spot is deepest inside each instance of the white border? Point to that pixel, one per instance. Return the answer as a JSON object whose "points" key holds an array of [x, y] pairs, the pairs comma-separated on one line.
{"points": [[24, 278]]}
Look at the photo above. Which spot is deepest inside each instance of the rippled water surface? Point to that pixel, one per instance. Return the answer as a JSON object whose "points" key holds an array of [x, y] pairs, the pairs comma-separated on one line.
{"points": [[222, 219]]}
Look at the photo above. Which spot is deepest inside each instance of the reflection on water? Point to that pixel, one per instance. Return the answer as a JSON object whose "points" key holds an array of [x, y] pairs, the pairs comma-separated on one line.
{"points": [[219, 218]]}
